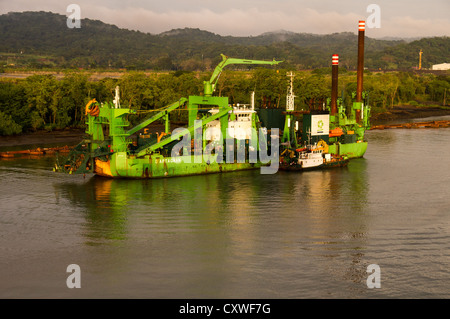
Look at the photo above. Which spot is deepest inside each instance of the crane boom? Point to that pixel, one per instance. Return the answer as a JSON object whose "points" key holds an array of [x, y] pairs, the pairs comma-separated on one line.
{"points": [[420, 59], [210, 86]]}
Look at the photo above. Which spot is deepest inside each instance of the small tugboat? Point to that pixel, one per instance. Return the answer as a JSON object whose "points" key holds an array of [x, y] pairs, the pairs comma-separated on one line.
{"points": [[310, 157]]}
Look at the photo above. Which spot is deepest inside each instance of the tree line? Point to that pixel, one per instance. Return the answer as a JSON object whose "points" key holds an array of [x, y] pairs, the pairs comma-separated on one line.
{"points": [[40, 40], [48, 102]]}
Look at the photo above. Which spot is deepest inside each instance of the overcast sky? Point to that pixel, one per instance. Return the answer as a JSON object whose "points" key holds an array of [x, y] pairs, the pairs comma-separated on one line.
{"points": [[398, 18]]}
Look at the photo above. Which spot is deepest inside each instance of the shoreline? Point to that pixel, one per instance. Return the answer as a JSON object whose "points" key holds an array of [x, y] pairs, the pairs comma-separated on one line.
{"points": [[40, 138], [400, 114], [72, 136]]}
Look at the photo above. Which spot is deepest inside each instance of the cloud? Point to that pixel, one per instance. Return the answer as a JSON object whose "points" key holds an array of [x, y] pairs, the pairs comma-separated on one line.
{"points": [[234, 22], [250, 17], [254, 21], [413, 27]]}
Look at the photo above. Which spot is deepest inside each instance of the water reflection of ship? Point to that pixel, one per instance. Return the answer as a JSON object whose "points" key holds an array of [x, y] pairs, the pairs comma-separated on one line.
{"points": [[323, 212], [110, 202], [105, 218]]}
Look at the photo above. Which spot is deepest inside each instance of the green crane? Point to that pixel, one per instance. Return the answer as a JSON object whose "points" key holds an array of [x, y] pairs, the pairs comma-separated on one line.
{"points": [[210, 86]]}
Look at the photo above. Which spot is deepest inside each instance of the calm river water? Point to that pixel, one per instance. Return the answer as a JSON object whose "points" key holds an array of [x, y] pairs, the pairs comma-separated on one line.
{"points": [[235, 235]]}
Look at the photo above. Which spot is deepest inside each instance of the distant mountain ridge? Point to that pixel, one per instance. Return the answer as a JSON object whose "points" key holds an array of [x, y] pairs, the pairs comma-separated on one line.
{"points": [[42, 39]]}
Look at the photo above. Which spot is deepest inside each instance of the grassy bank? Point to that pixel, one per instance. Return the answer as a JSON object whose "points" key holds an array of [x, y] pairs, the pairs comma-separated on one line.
{"points": [[405, 112]]}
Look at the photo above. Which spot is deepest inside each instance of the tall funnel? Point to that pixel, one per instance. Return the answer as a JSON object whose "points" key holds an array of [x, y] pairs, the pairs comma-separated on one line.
{"points": [[360, 70], [334, 83]]}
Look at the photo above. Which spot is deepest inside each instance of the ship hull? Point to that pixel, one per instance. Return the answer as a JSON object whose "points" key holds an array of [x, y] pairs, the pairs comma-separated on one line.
{"points": [[121, 165], [327, 165], [350, 150]]}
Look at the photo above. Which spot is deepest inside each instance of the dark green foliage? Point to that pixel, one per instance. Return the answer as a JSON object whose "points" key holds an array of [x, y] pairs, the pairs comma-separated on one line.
{"points": [[43, 40], [439, 88], [45, 102], [8, 126], [13, 102]]}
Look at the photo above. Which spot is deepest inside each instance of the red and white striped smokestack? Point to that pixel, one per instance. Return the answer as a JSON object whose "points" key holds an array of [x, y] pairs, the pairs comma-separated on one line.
{"points": [[362, 25], [335, 59], [334, 83], [360, 70]]}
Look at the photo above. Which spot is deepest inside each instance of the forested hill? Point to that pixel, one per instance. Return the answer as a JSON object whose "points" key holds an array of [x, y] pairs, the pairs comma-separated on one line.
{"points": [[42, 39]]}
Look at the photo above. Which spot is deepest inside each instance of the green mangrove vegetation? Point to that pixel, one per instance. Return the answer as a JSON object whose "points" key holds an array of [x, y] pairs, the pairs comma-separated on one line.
{"points": [[49, 102]]}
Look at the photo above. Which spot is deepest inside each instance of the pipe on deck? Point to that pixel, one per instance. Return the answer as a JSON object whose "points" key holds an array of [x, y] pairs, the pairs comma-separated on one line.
{"points": [[334, 83], [360, 70]]}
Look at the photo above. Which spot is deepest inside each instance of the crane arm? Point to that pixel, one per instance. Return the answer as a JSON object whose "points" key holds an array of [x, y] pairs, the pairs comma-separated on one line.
{"points": [[157, 116], [209, 86], [148, 149]]}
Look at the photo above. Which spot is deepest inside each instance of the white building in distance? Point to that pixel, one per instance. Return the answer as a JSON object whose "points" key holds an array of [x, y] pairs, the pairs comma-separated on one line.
{"points": [[442, 66]]}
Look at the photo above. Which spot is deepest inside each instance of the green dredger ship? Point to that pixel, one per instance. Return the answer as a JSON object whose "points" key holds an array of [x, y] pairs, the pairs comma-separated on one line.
{"points": [[109, 150], [232, 136]]}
